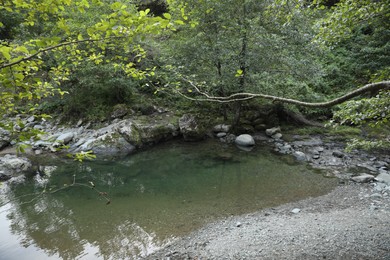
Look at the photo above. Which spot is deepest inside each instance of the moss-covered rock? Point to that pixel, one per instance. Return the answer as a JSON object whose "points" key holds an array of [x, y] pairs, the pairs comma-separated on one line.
{"points": [[142, 134]]}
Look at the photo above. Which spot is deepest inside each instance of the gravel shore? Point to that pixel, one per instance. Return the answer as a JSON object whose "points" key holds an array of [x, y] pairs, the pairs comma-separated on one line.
{"points": [[351, 222]]}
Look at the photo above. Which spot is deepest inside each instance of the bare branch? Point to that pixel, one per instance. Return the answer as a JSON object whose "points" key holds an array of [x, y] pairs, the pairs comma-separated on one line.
{"points": [[246, 96]]}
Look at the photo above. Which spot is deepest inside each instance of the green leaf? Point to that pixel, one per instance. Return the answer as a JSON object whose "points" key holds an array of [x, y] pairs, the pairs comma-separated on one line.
{"points": [[6, 52]]}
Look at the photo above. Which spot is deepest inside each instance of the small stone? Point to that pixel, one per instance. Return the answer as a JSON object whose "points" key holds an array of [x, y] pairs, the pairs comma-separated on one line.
{"points": [[338, 154], [31, 119], [272, 131], [65, 138], [299, 156], [38, 152], [221, 134], [364, 178], [221, 128], [79, 123], [316, 156], [277, 136], [238, 224], [296, 211], [39, 127]]}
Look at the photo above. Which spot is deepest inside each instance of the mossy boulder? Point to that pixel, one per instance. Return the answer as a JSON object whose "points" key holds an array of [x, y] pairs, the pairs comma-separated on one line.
{"points": [[143, 134]]}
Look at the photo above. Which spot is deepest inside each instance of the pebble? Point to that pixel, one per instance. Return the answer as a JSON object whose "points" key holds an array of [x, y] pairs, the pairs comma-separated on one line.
{"points": [[296, 210], [316, 156]]}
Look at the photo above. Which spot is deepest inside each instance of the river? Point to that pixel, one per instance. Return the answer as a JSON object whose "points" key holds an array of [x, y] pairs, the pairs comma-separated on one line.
{"points": [[142, 202]]}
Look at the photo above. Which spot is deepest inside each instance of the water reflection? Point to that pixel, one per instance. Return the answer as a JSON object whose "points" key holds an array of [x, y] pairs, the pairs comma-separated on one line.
{"points": [[156, 195]]}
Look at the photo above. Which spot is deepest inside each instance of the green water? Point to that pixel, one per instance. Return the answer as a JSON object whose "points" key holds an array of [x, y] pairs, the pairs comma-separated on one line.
{"points": [[155, 195]]}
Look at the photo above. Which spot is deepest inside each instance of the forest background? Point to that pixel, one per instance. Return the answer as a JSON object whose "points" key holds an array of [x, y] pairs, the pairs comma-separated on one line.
{"points": [[85, 58]]}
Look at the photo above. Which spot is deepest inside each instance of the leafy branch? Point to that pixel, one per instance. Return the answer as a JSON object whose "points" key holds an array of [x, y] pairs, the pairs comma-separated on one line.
{"points": [[29, 57]]}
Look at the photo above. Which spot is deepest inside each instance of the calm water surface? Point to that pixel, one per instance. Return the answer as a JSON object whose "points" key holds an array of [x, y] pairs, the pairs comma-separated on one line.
{"points": [[156, 195]]}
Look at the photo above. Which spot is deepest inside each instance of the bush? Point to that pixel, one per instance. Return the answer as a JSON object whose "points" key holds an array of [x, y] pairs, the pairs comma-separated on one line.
{"points": [[93, 91]]}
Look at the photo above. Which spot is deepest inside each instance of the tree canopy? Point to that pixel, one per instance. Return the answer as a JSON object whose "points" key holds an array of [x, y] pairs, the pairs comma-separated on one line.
{"points": [[308, 53]]}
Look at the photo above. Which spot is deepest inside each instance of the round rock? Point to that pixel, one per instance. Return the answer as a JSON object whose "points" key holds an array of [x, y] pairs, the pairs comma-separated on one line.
{"points": [[245, 140]]}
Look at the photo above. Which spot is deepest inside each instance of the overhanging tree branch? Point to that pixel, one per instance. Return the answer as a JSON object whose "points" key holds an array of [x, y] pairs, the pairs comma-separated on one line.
{"points": [[246, 96], [32, 56]]}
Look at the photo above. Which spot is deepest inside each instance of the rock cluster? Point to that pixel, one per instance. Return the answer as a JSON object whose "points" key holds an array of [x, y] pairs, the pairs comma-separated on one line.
{"points": [[356, 166]]}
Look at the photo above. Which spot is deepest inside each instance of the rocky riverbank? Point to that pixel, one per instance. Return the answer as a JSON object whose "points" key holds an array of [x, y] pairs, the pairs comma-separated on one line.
{"points": [[352, 222]]}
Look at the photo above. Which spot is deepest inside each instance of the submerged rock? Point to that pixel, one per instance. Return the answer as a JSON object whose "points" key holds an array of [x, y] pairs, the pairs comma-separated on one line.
{"points": [[245, 140]]}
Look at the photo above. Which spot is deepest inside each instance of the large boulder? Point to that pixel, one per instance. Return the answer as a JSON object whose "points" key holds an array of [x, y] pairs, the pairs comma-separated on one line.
{"points": [[245, 140], [190, 128], [142, 134]]}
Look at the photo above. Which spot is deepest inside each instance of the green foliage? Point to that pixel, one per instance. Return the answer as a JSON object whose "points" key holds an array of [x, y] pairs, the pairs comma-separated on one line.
{"points": [[348, 15], [358, 143], [69, 33], [82, 156], [372, 111], [242, 45], [93, 90], [358, 34]]}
